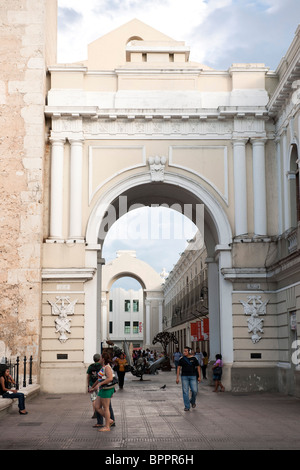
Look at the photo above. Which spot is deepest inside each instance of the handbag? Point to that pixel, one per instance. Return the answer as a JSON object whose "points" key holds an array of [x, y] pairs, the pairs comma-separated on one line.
{"points": [[127, 368], [217, 370], [110, 384]]}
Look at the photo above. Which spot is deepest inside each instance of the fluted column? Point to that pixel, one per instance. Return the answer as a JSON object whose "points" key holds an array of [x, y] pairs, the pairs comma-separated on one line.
{"points": [[240, 187], [148, 321], [259, 186], [285, 181], [279, 185], [56, 189], [75, 222], [160, 315]]}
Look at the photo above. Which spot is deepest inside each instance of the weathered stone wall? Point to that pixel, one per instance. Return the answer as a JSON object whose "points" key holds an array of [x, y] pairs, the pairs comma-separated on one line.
{"points": [[23, 50]]}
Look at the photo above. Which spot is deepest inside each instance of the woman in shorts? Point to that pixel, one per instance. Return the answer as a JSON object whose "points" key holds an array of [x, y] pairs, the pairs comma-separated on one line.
{"points": [[105, 376]]}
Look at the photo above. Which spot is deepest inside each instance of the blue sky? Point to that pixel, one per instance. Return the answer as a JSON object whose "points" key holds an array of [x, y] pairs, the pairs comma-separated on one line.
{"points": [[218, 32]]}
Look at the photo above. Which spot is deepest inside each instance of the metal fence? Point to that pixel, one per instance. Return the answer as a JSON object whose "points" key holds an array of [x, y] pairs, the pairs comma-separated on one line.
{"points": [[16, 373]]}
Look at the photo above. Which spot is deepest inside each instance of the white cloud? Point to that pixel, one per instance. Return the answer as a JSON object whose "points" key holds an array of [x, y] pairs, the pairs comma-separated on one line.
{"points": [[158, 235], [219, 32]]}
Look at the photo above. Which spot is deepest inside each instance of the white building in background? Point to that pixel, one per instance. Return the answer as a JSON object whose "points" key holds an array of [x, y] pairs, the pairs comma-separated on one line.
{"points": [[134, 315], [126, 312]]}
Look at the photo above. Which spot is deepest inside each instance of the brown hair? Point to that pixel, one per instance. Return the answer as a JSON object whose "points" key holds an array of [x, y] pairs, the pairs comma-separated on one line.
{"points": [[106, 358]]}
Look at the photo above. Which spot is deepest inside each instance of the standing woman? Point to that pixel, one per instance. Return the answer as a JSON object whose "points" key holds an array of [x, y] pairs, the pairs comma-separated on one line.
{"points": [[121, 362], [217, 373], [105, 376], [7, 392]]}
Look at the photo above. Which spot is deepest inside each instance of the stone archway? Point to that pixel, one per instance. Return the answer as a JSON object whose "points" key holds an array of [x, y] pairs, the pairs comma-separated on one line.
{"points": [[217, 236]]}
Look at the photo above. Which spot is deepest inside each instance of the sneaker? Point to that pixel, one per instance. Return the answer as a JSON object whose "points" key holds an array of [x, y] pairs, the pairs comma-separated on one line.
{"points": [[186, 409], [194, 405]]}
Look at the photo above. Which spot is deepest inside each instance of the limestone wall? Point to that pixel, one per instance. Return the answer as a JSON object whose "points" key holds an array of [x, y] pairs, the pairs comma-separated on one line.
{"points": [[23, 50]]}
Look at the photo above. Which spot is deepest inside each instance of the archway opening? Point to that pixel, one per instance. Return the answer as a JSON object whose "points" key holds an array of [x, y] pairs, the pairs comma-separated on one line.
{"points": [[176, 189], [160, 233]]}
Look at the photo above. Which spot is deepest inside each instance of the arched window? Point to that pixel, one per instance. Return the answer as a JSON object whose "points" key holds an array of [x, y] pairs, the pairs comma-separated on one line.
{"points": [[130, 42]]}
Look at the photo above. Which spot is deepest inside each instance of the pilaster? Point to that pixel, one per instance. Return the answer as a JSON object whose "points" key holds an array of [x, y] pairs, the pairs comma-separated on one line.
{"points": [[56, 192], [240, 186], [75, 230], [259, 186]]}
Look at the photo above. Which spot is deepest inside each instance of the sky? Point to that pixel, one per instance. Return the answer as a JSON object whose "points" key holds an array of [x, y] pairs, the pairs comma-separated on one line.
{"points": [[219, 33], [158, 235]]}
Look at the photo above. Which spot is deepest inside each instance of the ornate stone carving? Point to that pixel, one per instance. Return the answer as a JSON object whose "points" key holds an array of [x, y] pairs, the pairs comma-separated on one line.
{"points": [[62, 307], [255, 307], [157, 168]]}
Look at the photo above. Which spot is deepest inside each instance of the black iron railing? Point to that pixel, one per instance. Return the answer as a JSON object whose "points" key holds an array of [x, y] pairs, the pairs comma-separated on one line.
{"points": [[15, 371]]}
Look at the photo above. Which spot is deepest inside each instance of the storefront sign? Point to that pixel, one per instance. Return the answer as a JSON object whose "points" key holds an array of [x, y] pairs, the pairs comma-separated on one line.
{"points": [[200, 330]]}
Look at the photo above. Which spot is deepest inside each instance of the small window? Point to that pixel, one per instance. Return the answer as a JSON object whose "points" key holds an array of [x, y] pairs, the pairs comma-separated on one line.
{"points": [[110, 305], [127, 327], [135, 327], [135, 305], [127, 305], [110, 327]]}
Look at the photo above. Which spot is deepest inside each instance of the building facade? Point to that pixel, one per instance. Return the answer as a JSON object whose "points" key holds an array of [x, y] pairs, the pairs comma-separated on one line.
{"points": [[186, 299], [134, 315], [137, 124], [126, 317]]}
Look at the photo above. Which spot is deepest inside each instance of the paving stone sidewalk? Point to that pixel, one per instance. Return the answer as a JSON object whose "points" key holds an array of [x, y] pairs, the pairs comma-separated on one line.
{"points": [[150, 418]]}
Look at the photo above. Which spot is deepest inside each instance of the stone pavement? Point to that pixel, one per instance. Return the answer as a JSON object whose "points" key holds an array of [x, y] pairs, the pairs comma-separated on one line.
{"points": [[152, 419]]}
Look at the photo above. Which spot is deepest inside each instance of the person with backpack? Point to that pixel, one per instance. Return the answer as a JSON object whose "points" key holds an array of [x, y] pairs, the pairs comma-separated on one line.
{"points": [[92, 377], [189, 367]]}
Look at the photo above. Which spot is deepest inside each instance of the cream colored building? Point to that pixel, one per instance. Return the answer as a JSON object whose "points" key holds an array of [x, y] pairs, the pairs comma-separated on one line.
{"points": [[186, 298], [134, 316], [125, 317], [138, 123]]}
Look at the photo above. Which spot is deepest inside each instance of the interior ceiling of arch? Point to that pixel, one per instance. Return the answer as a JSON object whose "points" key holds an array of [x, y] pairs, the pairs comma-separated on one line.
{"points": [[164, 193], [127, 275]]}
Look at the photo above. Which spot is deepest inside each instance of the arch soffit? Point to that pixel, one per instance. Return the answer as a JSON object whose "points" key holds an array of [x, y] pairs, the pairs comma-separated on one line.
{"points": [[216, 220], [142, 272]]}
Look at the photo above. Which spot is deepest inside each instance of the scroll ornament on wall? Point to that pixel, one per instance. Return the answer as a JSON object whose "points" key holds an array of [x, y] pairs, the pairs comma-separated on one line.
{"points": [[157, 168], [62, 307], [255, 307]]}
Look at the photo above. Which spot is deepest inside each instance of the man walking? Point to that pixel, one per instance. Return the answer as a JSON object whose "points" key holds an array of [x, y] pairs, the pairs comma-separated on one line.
{"points": [[176, 356], [189, 367]]}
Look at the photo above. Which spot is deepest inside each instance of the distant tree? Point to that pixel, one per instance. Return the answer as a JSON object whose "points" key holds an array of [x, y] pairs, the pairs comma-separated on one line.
{"points": [[165, 338]]}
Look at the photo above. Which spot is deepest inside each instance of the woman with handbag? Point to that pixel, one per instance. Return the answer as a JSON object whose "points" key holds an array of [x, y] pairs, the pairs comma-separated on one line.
{"points": [[106, 390], [121, 364], [217, 373]]}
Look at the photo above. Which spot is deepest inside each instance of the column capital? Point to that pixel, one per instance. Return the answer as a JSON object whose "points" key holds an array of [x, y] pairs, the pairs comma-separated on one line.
{"points": [[258, 140], [239, 140], [76, 140], [57, 140]]}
